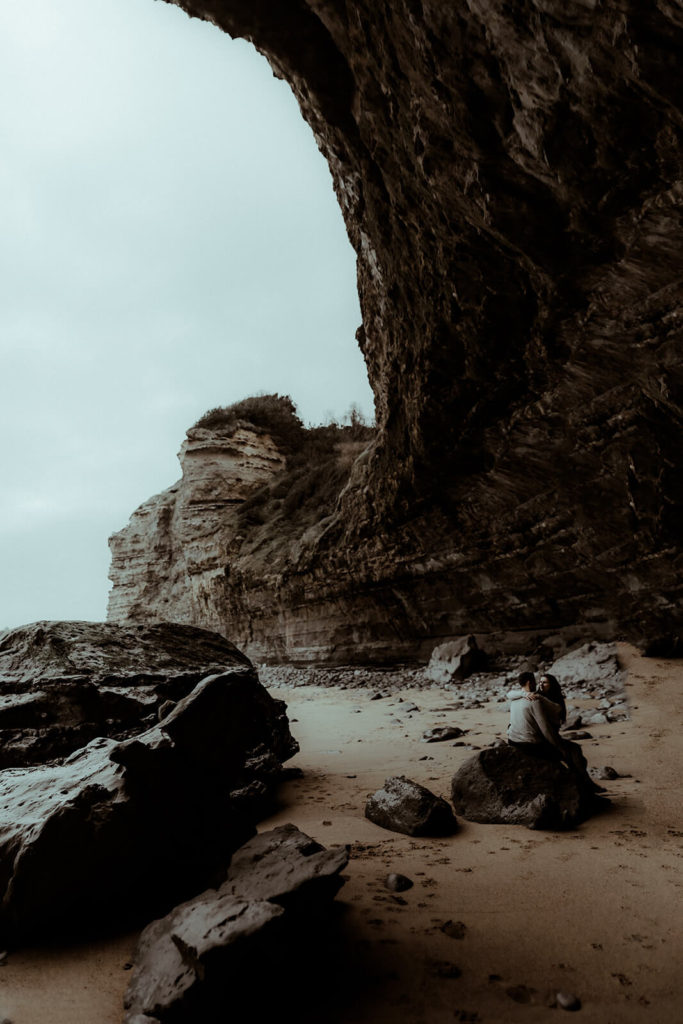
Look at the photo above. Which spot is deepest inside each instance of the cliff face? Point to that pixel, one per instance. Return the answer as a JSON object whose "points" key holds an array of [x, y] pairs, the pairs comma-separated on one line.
{"points": [[510, 177], [169, 562]]}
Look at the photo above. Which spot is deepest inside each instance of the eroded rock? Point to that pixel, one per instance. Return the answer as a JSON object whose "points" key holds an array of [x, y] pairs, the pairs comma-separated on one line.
{"points": [[405, 806], [64, 683], [503, 786], [208, 952], [121, 829], [455, 660]]}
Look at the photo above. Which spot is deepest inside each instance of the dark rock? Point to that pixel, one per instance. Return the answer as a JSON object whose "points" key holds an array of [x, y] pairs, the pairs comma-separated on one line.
{"points": [[669, 645], [405, 806], [119, 830], [398, 883], [64, 683], [605, 772], [568, 1001], [442, 732], [210, 951], [502, 785]]}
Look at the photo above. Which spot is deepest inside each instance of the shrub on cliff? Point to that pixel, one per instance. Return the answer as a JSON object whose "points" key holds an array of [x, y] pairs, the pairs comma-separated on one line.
{"points": [[272, 414]]}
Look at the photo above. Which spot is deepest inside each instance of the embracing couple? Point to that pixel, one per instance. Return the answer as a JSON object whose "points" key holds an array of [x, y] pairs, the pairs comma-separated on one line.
{"points": [[535, 720]]}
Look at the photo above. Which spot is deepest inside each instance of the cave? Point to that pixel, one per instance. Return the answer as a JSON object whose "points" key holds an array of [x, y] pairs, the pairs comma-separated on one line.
{"points": [[509, 176]]}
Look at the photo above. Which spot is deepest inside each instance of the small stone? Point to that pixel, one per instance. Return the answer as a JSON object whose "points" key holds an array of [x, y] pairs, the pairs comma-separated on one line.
{"points": [[398, 883], [442, 732], [605, 772], [568, 1001], [327, 823]]}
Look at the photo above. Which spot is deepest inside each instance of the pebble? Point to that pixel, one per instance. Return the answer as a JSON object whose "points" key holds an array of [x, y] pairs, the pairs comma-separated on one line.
{"points": [[568, 1001], [606, 772], [398, 883]]}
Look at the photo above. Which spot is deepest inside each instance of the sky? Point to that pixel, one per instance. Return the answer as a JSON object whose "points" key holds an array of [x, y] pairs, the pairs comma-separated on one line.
{"points": [[170, 242]]}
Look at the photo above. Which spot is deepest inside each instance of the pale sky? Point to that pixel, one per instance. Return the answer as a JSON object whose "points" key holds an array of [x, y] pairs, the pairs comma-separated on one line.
{"points": [[170, 242]]}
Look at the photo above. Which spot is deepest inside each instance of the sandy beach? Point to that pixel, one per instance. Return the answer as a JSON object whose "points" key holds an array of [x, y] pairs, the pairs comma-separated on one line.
{"points": [[593, 912]]}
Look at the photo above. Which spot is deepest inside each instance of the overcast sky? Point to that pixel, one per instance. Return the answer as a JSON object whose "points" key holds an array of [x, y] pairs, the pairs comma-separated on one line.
{"points": [[170, 242]]}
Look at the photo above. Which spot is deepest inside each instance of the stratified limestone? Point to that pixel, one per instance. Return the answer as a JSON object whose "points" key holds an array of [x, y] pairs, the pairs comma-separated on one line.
{"points": [[510, 179]]}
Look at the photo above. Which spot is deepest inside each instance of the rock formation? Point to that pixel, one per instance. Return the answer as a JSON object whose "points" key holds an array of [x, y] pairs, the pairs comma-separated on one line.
{"points": [[226, 947], [510, 179], [503, 786], [150, 813], [405, 806]]}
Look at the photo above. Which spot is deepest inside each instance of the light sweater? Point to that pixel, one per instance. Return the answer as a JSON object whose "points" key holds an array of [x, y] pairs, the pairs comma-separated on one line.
{"points": [[533, 721]]}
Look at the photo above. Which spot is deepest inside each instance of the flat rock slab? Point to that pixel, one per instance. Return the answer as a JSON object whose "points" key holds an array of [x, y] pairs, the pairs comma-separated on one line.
{"points": [[64, 683], [502, 786], [405, 806], [119, 830], [194, 963]]}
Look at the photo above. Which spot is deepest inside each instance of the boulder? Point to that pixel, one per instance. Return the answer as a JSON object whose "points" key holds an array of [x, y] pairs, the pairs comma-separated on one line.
{"points": [[455, 660], [212, 950], [121, 830], [593, 664], [405, 806], [503, 786], [64, 683]]}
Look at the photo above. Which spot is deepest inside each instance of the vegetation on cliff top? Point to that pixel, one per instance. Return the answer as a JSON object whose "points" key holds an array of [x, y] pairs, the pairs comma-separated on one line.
{"points": [[319, 460]]}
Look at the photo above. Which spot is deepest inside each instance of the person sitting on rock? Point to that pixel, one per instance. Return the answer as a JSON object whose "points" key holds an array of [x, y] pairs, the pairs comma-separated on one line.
{"points": [[545, 723], [531, 728]]}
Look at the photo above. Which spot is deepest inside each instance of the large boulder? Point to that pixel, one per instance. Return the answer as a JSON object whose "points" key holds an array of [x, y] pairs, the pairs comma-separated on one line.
{"points": [[455, 660], [591, 666], [121, 829], [406, 806], [64, 683], [503, 786], [207, 953]]}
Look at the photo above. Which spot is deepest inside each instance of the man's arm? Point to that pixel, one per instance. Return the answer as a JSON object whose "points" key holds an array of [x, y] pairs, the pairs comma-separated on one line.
{"points": [[545, 726]]}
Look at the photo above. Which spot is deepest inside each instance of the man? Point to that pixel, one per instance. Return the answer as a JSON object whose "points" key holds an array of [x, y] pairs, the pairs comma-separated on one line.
{"points": [[530, 728]]}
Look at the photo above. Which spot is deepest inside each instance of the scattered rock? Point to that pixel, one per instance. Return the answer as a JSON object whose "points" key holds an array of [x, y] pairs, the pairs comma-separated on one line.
{"points": [[214, 948], [405, 806], [568, 1001], [442, 732], [455, 660], [605, 772], [502, 785], [398, 883], [593, 663]]}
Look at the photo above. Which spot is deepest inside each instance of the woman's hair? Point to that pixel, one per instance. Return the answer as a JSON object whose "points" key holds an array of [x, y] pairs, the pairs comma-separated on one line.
{"points": [[554, 693]]}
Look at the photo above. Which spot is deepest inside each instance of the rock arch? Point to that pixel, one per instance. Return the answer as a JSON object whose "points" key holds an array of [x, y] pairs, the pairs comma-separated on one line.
{"points": [[509, 175]]}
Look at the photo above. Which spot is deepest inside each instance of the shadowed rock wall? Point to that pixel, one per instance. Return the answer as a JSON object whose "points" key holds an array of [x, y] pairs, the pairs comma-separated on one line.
{"points": [[510, 177]]}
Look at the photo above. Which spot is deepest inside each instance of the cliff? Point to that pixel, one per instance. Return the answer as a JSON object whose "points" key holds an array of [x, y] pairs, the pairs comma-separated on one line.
{"points": [[510, 178]]}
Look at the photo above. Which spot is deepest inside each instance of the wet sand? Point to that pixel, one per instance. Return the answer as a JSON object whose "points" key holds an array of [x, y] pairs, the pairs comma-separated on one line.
{"points": [[593, 912]]}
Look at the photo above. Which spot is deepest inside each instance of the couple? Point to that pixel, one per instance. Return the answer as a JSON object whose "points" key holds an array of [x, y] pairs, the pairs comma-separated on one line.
{"points": [[535, 720]]}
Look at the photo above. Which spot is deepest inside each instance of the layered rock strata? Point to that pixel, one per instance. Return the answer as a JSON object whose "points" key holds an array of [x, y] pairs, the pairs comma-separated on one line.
{"points": [[510, 179], [124, 827]]}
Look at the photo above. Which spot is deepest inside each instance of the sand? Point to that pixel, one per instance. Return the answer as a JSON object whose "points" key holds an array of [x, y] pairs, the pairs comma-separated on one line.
{"points": [[594, 912]]}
